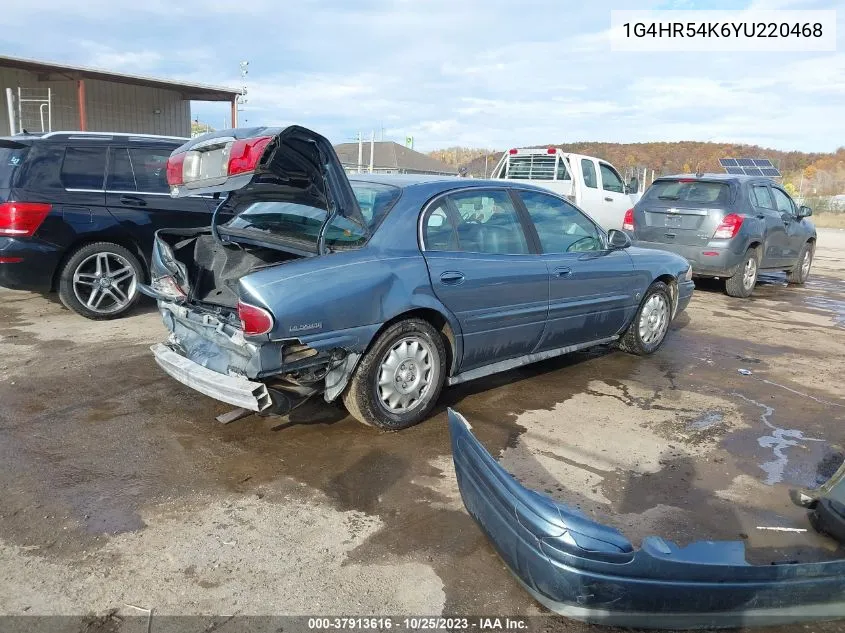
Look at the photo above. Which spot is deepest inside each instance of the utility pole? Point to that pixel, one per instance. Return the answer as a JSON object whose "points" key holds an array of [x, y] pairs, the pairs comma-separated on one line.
{"points": [[241, 98], [360, 152], [372, 149]]}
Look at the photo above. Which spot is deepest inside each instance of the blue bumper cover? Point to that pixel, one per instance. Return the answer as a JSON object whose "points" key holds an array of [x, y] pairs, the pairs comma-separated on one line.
{"points": [[591, 572]]}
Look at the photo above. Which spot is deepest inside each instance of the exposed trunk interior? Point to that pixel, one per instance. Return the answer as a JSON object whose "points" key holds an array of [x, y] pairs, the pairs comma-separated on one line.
{"points": [[214, 268]]}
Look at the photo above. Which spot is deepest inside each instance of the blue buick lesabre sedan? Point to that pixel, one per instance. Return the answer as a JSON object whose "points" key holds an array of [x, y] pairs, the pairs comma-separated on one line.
{"points": [[380, 290]]}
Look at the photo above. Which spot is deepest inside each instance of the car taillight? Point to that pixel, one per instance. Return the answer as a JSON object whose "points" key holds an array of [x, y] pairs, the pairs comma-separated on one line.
{"points": [[22, 219], [175, 165], [254, 320], [729, 227], [628, 220], [216, 160], [244, 154], [167, 286]]}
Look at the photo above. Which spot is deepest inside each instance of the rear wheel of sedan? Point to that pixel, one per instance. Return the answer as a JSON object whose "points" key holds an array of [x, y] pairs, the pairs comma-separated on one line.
{"points": [[741, 283], [400, 377], [100, 281], [801, 272], [648, 330]]}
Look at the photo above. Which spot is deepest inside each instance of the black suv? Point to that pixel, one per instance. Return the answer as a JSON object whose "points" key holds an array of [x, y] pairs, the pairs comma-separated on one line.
{"points": [[78, 212]]}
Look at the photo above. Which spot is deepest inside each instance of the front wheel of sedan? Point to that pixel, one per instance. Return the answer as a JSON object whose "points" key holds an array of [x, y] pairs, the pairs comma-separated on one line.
{"points": [[100, 281], [648, 330], [400, 377]]}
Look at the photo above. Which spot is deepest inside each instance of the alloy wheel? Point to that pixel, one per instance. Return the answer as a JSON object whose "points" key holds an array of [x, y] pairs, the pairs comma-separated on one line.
{"points": [[749, 275], [105, 282], [806, 263]]}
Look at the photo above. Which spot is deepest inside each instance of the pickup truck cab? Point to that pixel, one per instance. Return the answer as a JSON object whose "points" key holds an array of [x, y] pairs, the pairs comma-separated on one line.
{"points": [[592, 184]]}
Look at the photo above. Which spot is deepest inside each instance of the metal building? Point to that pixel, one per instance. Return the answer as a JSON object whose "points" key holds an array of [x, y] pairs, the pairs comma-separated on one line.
{"points": [[387, 157], [43, 96]]}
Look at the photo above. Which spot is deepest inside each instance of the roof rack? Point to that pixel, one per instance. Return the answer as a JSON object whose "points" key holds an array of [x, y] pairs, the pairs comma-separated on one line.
{"points": [[105, 135]]}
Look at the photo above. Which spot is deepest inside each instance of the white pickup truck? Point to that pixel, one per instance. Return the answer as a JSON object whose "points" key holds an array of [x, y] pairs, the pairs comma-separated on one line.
{"points": [[592, 184]]}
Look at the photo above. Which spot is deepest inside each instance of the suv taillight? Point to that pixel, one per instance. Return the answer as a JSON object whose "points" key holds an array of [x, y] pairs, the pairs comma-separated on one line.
{"points": [[628, 221], [22, 219], [729, 227], [254, 320]]}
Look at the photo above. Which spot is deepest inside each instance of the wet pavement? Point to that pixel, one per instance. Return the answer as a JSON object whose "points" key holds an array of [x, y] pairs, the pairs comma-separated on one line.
{"points": [[119, 487]]}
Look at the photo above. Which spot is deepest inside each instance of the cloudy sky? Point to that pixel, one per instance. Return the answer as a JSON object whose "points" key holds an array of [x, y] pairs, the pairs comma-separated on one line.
{"points": [[483, 73]]}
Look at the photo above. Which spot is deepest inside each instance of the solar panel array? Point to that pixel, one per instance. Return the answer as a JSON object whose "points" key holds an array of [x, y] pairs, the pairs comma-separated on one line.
{"points": [[750, 167]]}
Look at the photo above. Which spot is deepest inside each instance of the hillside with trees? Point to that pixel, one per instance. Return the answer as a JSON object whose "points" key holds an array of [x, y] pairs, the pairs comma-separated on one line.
{"points": [[815, 173]]}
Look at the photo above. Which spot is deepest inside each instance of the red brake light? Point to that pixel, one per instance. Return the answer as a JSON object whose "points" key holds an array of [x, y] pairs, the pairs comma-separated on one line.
{"points": [[11, 260], [628, 221], [254, 320], [22, 219], [245, 153], [551, 150], [512, 151], [175, 164], [729, 227]]}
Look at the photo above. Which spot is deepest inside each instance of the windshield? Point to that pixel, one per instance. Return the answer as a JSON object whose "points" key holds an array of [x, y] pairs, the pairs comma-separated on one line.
{"points": [[694, 192], [10, 159], [301, 223]]}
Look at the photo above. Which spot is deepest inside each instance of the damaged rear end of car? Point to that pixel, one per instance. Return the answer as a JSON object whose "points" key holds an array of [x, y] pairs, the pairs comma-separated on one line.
{"points": [[284, 200]]}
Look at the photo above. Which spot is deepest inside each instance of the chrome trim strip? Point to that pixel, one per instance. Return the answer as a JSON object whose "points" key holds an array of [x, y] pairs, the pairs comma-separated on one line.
{"points": [[527, 359]]}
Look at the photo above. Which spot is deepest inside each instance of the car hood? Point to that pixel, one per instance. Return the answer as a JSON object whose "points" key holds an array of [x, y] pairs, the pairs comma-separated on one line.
{"points": [[297, 165]]}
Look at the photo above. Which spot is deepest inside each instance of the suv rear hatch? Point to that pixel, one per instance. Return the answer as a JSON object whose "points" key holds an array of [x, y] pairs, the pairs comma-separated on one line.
{"points": [[682, 210]]}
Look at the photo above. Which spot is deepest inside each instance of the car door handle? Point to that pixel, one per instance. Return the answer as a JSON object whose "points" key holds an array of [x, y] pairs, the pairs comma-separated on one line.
{"points": [[452, 277], [133, 200], [563, 271], [761, 216], [608, 199]]}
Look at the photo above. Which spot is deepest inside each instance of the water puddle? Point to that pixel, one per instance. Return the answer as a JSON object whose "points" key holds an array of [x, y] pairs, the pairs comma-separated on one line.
{"points": [[837, 306], [780, 440], [707, 420]]}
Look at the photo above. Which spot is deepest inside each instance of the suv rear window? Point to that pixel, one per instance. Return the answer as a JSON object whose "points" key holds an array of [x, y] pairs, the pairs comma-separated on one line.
{"points": [[300, 223], [10, 159], [690, 191]]}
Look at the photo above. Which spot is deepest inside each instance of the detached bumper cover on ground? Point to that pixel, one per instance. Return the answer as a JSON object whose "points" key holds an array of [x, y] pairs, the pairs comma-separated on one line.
{"points": [[588, 571]]}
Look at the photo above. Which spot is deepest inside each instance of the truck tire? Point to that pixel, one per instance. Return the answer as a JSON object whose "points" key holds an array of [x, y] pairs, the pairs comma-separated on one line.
{"points": [[100, 281], [801, 271], [741, 283], [648, 329], [400, 377]]}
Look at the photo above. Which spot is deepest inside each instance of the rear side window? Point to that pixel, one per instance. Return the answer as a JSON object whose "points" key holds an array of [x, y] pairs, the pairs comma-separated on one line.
{"points": [[589, 171], [84, 168], [695, 192], [761, 198], [10, 159], [150, 168]]}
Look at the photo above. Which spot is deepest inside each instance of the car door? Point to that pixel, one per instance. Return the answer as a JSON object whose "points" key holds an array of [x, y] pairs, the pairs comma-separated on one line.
{"points": [[794, 233], [591, 288], [138, 196], [774, 242], [486, 271], [615, 201]]}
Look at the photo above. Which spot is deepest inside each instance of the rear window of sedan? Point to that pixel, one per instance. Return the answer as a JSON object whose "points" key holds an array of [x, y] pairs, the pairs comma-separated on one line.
{"points": [[301, 223], [698, 192]]}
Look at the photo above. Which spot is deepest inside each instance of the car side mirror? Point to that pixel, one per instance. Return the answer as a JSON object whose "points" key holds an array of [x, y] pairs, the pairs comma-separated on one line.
{"points": [[617, 239], [633, 186], [804, 211]]}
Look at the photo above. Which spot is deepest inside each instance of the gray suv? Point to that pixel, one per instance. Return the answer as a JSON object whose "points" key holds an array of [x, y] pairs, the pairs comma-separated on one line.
{"points": [[727, 226]]}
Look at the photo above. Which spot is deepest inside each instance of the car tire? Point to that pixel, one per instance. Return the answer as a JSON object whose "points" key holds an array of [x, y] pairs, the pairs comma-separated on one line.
{"points": [[411, 350], [741, 283], [648, 329], [801, 272], [100, 281]]}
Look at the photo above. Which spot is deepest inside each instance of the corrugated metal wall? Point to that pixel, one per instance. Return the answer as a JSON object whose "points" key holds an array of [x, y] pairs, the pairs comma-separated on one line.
{"points": [[111, 107]]}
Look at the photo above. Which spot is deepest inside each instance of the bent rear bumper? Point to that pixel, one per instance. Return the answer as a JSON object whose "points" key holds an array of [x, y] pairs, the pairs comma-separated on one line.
{"points": [[718, 262], [587, 571], [233, 390]]}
